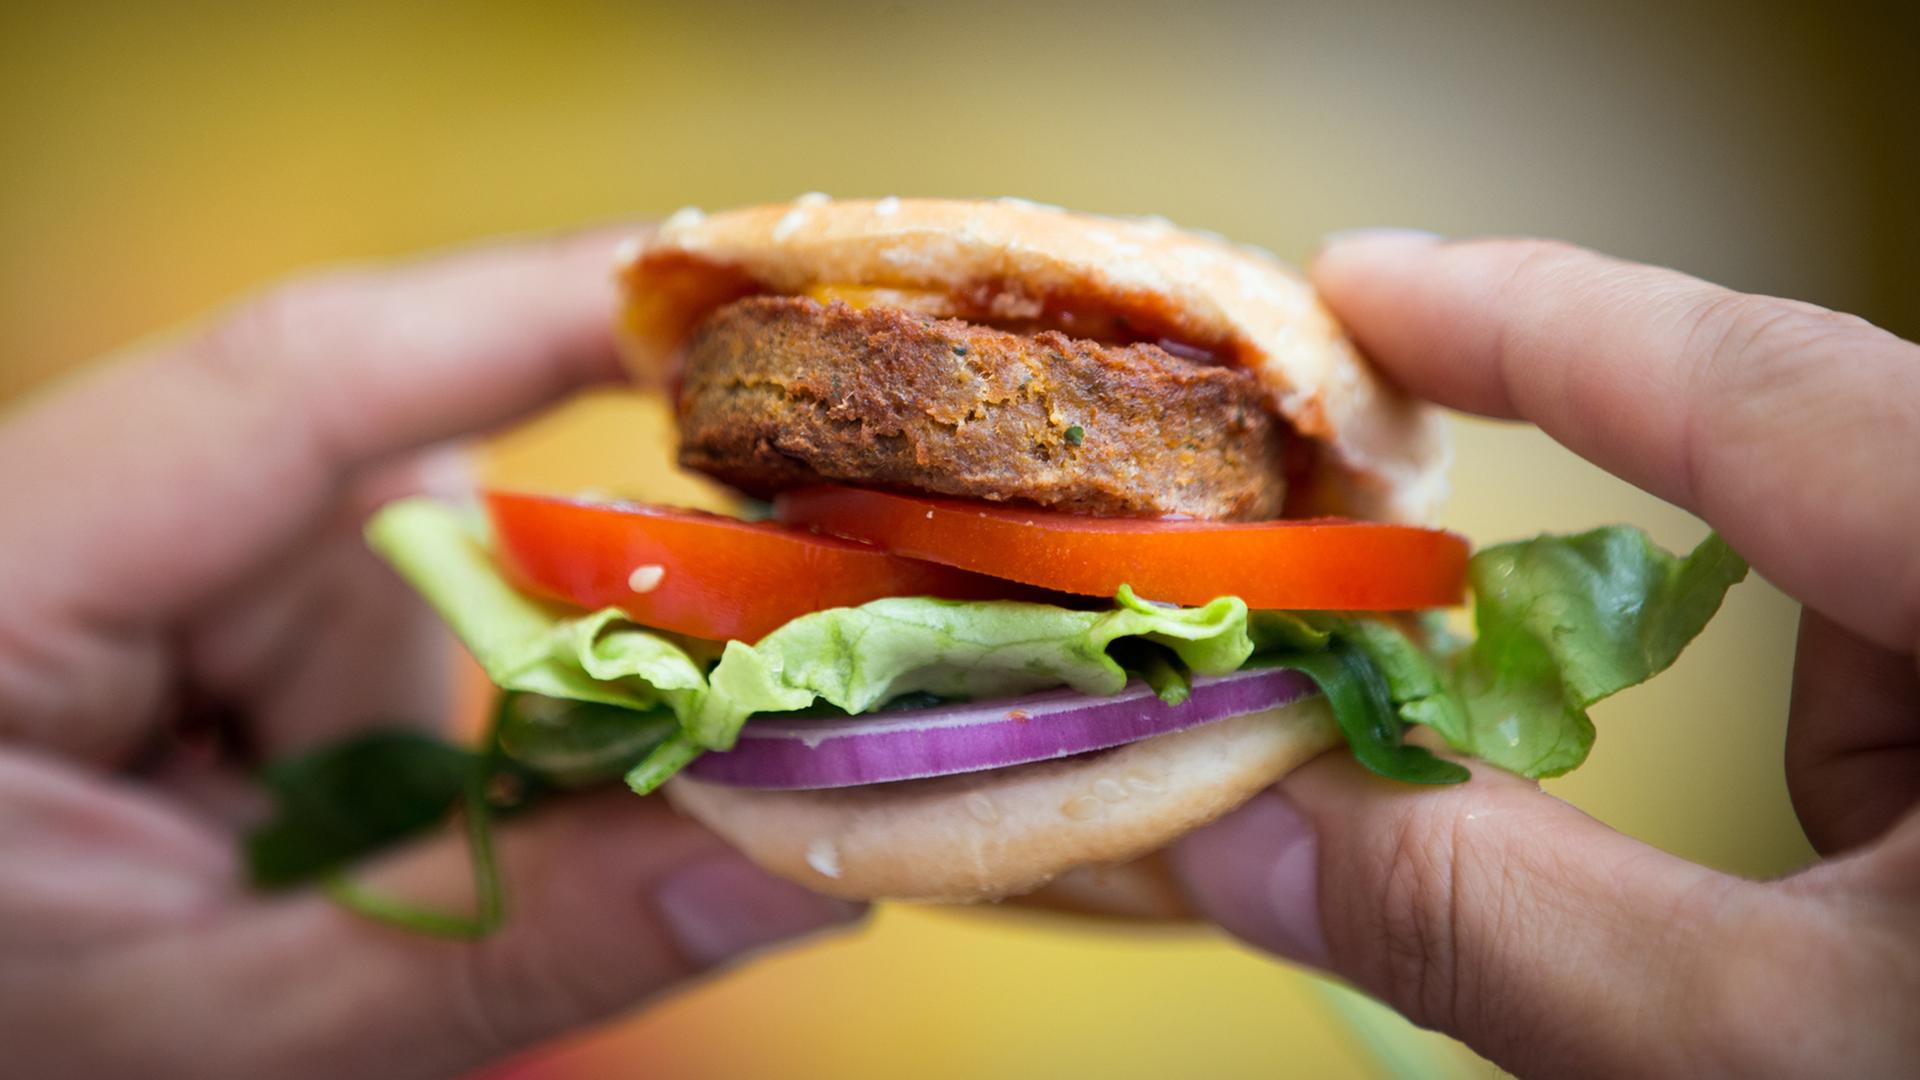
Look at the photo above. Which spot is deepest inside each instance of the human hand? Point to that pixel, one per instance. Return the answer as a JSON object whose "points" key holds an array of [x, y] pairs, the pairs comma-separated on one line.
{"points": [[180, 544], [1507, 918]]}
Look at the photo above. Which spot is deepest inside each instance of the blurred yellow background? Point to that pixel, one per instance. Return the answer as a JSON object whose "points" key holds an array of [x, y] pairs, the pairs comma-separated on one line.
{"points": [[159, 158]]}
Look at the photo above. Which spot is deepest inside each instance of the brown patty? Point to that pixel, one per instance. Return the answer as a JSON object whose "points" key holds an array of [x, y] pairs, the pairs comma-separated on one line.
{"points": [[784, 391]]}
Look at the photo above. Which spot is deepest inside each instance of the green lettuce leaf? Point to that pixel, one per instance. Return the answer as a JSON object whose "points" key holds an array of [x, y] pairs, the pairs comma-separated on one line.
{"points": [[1561, 623], [1363, 706], [1157, 666], [854, 659], [576, 744], [526, 644]]}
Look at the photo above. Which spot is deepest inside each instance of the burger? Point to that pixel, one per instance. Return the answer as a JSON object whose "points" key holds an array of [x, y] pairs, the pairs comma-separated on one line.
{"points": [[1077, 532]]}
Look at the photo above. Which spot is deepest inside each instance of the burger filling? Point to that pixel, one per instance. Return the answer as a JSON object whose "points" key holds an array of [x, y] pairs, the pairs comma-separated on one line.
{"points": [[1005, 533]]}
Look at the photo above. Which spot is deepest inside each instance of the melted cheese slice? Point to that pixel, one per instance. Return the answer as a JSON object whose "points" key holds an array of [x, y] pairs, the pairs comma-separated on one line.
{"points": [[922, 301]]}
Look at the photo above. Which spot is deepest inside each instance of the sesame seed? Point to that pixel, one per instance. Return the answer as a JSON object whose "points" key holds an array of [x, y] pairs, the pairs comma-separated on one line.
{"points": [[789, 224], [824, 858], [887, 207], [645, 579]]}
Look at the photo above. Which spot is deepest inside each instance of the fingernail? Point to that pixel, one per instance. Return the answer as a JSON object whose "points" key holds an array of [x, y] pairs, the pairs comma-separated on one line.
{"points": [[1256, 872], [722, 908], [449, 474], [1379, 235]]}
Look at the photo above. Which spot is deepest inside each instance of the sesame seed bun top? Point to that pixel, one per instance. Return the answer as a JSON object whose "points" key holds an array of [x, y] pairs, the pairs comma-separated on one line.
{"points": [[1383, 455]]}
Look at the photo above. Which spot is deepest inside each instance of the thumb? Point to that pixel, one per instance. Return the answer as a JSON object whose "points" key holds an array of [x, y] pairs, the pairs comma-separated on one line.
{"points": [[611, 902], [1489, 910]]}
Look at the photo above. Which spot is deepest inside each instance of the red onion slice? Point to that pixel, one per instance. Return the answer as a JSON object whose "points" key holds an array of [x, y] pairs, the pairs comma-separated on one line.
{"points": [[880, 747]]}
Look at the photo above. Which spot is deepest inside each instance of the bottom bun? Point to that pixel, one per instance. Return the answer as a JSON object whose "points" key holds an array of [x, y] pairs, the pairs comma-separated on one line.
{"points": [[1144, 890], [989, 835]]}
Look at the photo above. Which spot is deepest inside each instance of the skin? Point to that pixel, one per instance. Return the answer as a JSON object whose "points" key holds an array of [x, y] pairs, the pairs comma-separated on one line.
{"points": [[180, 544], [1505, 917]]}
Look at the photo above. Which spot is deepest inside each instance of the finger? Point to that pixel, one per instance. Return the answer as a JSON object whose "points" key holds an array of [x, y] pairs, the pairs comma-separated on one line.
{"points": [[329, 643], [1789, 428], [1853, 736], [321, 643], [1489, 910], [168, 476], [331, 646], [87, 862], [611, 902]]}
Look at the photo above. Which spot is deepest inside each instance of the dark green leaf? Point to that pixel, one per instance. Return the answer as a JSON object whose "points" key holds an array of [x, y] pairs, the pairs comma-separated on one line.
{"points": [[345, 801], [1362, 706], [376, 790], [490, 908], [915, 699], [669, 757], [577, 743], [1158, 666], [1285, 630]]}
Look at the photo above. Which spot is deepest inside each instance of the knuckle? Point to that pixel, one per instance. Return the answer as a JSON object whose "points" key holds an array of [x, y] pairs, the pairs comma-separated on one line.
{"points": [[1747, 368], [260, 360], [515, 989], [481, 1003], [1454, 907], [1739, 344], [1722, 331], [269, 324], [1534, 256], [1534, 269], [1418, 932], [1746, 324]]}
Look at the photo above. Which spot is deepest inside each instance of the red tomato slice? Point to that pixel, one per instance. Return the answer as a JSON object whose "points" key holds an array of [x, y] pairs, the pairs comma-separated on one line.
{"points": [[1323, 564], [703, 574]]}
